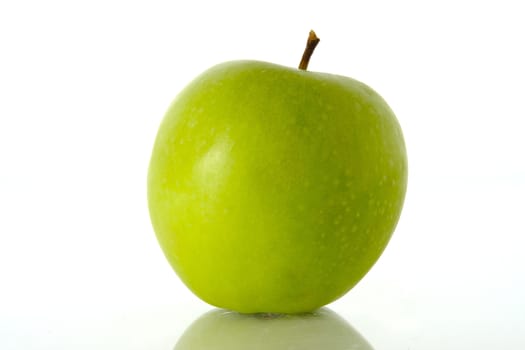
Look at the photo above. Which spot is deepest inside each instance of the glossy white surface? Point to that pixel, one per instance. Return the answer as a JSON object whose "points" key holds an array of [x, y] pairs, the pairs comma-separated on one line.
{"points": [[83, 88]]}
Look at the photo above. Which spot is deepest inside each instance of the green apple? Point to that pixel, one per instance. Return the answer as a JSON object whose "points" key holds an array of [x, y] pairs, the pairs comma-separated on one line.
{"points": [[223, 330], [275, 189]]}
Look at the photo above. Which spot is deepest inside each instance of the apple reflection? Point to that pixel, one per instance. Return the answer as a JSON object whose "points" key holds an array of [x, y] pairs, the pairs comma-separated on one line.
{"points": [[221, 329]]}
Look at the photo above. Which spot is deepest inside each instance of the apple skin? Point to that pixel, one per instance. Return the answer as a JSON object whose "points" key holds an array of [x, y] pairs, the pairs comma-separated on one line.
{"points": [[273, 189]]}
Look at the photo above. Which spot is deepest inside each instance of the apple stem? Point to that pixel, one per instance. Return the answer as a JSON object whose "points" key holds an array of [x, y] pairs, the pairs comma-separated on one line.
{"points": [[312, 42]]}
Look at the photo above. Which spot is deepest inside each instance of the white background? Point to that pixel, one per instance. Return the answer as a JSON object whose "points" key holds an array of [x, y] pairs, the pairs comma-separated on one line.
{"points": [[84, 86]]}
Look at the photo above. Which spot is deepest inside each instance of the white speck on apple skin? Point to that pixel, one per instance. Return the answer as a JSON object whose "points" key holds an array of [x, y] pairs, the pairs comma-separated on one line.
{"points": [[192, 123]]}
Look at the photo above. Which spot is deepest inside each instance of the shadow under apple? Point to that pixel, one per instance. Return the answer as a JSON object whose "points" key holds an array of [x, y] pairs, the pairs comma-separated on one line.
{"points": [[221, 329]]}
